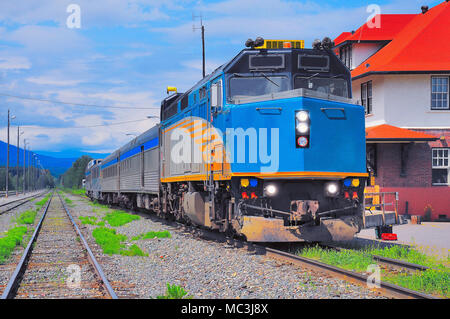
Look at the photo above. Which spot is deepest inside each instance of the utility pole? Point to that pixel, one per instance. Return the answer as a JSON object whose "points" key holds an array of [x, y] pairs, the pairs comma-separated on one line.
{"points": [[202, 27], [7, 161], [17, 166], [24, 164]]}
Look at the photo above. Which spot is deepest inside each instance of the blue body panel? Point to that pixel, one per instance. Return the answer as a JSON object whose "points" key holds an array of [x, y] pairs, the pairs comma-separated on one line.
{"points": [[337, 138]]}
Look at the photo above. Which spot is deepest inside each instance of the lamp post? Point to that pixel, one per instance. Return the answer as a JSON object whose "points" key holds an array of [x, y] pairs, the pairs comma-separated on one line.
{"points": [[10, 117]]}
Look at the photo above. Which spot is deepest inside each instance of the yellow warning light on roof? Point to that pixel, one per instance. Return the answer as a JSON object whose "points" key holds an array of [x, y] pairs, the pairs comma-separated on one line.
{"points": [[171, 89], [282, 44]]}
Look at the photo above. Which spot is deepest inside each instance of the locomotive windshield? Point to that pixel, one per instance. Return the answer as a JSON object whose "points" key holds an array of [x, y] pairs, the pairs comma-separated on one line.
{"points": [[325, 85], [257, 85], [261, 72]]}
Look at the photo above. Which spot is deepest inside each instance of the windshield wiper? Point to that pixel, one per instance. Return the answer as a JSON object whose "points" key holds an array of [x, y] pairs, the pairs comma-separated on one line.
{"points": [[265, 76]]}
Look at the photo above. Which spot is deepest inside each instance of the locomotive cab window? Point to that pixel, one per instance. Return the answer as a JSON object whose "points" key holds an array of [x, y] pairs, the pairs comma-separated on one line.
{"points": [[332, 86], [257, 85]]}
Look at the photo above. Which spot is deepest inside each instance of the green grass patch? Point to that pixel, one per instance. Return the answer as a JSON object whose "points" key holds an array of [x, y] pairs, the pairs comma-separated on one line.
{"points": [[91, 220], [112, 243], [42, 202], [119, 218], [431, 281], [153, 234], [13, 237], [348, 259], [175, 292], [27, 217], [435, 280]]}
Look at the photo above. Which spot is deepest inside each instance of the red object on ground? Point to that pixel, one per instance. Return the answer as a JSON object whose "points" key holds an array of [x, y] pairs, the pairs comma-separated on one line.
{"points": [[388, 236]]}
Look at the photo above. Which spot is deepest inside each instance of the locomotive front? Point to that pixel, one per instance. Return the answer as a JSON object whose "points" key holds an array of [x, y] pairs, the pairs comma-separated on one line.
{"points": [[295, 144]]}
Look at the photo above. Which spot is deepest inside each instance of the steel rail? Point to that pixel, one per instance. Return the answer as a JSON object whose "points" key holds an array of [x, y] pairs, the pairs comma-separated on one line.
{"points": [[386, 288], [91, 257], [13, 283], [25, 200], [399, 263]]}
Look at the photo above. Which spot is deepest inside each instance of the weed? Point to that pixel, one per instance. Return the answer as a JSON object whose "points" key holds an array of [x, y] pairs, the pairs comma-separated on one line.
{"points": [[13, 237], [27, 217], [119, 218], [91, 220], [112, 243], [153, 234], [175, 292]]}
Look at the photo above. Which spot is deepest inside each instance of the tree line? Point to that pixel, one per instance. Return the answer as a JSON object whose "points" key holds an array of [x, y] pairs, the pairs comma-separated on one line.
{"points": [[73, 177], [34, 178]]}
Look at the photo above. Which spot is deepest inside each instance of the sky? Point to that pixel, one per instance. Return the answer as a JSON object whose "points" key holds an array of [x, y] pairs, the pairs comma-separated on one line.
{"points": [[126, 52]]}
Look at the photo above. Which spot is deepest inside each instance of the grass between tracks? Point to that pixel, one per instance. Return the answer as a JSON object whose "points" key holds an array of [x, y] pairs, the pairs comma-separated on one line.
{"points": [[13, 237], [17, 235], [113, 243], [435, 280], [153, 234], [119, 218]]}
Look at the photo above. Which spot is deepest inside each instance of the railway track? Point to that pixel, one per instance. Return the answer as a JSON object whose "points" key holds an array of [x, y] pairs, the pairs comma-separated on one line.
{"points": [[386, 289], [57, 262], [6, 207]]}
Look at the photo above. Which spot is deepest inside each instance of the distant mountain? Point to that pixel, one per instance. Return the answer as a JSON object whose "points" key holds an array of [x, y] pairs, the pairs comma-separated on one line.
{"points": [[57, 166]]}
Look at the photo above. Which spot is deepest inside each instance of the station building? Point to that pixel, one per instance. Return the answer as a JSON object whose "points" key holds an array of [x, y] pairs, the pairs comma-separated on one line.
{"points": [[400, 65]]}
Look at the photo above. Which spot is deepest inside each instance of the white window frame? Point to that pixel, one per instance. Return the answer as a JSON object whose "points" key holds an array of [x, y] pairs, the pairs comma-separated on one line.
{"points": [[439, 161], [440, 92], [365, 98]]}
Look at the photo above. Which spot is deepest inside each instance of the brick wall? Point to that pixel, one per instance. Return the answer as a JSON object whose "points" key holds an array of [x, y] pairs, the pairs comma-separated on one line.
{"points": [[418, 166]]}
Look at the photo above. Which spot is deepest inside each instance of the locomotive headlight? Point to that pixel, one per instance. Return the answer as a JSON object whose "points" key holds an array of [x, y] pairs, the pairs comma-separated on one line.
{"points": [[302, 116], [302, 128], [271, 190], [331, 189]]}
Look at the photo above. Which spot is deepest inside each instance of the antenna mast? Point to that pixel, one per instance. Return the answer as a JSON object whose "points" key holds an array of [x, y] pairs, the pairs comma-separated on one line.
{"points": [[202, 27]]}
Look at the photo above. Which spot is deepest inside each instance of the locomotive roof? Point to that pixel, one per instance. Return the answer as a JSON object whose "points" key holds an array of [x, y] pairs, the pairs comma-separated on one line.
{"points": [[139, 140]]}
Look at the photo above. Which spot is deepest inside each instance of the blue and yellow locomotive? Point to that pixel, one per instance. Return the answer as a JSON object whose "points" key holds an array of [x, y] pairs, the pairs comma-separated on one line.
{"points": [[269, 146]]}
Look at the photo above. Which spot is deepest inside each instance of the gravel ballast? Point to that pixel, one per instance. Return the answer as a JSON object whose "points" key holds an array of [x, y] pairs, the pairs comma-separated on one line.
{"points": [[206, 269]]}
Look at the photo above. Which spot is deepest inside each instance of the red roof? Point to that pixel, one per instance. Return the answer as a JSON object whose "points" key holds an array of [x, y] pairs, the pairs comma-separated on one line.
{"points": [[387, 132], [390, 24], [422, 45]]}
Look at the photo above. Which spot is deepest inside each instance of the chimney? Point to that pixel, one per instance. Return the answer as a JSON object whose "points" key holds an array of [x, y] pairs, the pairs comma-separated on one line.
{"points": [[424, 9]]}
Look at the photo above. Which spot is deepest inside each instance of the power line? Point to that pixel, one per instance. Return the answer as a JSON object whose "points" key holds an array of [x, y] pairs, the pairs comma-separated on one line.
{"points": [[78, 104]]}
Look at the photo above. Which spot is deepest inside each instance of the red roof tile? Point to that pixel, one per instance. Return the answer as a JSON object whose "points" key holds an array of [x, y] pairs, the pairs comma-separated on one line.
{"points": [[387, 132], [390, 24], [422, 45]]}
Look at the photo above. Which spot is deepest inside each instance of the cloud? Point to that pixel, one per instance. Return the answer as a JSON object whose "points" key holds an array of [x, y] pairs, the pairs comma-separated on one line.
{"points": [[93, 13], [14, 63], [45, 80]]}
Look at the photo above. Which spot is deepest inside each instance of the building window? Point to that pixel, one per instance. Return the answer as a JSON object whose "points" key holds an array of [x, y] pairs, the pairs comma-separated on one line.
{"points": [[346, 55], [366, 96], [439, 93], [371, 152], [441, 166]]}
